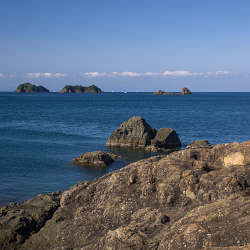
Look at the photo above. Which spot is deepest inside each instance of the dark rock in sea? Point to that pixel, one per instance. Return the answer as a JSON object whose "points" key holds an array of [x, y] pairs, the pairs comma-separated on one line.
{"points": [[30, 88], [137, 133], [190, 199], [166, 138], [96, 158], [199, 144], [186, 91], [81, 89], [159, 92]]}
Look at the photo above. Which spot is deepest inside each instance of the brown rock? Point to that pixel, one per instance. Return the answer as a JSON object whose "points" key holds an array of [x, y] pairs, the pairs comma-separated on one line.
{"points": [[159, 92], [96, 158], [189, 199], [166, 138], [136, 133], [199, 144]]}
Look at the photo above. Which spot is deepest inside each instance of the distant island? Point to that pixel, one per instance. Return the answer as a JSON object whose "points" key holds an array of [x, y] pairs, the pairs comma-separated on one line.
{"points": [[81, 89], [184, 91], [30, 88]]}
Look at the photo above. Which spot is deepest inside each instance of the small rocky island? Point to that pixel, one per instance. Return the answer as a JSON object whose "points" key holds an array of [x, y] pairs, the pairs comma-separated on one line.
{"points": [[79, 89], [137, 133], [197, 198], [94, 159], [30, 88], [184, 91]]}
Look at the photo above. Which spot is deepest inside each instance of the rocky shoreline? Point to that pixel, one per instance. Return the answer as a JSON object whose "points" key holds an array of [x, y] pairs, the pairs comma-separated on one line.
{"points": [[197, 198]]}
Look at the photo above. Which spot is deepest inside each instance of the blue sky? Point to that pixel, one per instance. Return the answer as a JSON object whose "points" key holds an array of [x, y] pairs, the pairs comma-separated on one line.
{"points": [[126, 45]]}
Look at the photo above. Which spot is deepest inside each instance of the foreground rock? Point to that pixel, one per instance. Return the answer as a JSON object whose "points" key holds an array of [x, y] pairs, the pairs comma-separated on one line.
{"points": [[96, 158], [81, 89], [184, 91], [30, 88], [19, 221], [199, 144], [137, 133], [198, 198]]}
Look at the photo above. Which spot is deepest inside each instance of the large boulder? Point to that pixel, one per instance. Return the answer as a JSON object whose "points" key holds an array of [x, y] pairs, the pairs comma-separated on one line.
{"points": [[96, 158], [190, 199], [135, 132], [166, 138]]}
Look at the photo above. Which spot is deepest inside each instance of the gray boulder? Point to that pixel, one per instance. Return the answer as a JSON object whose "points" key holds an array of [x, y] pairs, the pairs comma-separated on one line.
{"points": [[134, 133], [96, 158]]}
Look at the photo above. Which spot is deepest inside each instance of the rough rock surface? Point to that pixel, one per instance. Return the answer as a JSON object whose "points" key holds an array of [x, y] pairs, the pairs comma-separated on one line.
{"points": [[19, 221], [96, 158], [137, 133], [166, 138], [30, 88], [199, 144], [80, 89], [191, 199]]}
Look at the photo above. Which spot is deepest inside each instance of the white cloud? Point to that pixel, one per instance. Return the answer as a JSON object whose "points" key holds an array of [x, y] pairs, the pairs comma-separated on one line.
{"points": [[2, 75], [151, 74], [95, 74], [130, 74], [33, 75], [181, 73], [218, 73], [176, 73], [46, 74], [58, 75], [167, 73]]}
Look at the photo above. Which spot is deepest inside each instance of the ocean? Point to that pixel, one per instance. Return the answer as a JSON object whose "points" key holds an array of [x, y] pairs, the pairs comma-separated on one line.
{"points": [[41, 133]]}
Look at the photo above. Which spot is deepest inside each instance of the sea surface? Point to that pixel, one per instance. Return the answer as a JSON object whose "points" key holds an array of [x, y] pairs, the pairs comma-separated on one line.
{"points": [[41, 133]]}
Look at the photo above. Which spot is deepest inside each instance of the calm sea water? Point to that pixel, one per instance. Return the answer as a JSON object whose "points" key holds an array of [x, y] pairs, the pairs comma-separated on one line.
{"points": [[41, 133]]}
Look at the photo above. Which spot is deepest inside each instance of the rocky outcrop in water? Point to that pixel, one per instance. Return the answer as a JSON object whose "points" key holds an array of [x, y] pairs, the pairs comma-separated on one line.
{"points": [[30, 88], [198, 198], [184, 91], [81, 89], [160, 92], [137, 133], [96, 159]]}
